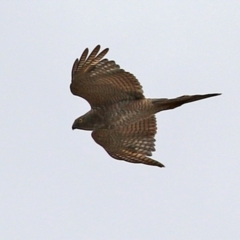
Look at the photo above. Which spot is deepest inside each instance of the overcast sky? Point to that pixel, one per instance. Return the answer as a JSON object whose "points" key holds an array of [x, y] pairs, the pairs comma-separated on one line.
{"points": [[59, 184]]}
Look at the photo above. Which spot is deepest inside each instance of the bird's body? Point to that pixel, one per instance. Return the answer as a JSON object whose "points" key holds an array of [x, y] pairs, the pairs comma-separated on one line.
{"points": [[126, 112], [121, 118]]}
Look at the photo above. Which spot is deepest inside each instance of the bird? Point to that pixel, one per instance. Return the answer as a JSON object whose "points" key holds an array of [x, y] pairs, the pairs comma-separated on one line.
{"points": [[121, 119]]}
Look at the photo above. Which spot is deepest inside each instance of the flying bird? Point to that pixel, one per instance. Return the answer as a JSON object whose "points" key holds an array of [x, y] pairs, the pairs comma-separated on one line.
{"points": [[121, 119]]}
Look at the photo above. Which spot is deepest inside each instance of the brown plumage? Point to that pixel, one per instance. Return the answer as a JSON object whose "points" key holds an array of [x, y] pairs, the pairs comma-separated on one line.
{"points": [[121, 119]]}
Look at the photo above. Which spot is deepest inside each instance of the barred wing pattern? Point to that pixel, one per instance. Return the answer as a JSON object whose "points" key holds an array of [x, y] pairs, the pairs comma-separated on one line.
{"points": [[132, 143], [101, 82]]}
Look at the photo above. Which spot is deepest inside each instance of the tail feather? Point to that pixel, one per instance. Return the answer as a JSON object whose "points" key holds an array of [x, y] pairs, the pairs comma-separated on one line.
{"points": [[166, 104]]}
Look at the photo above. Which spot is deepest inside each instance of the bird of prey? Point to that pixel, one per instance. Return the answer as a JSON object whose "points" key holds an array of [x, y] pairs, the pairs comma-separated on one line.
{"points": [[121, 119]]}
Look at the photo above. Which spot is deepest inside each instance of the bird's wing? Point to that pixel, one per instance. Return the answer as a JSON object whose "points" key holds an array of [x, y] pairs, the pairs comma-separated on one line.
{"points": [[102, 82], [132, 143]]}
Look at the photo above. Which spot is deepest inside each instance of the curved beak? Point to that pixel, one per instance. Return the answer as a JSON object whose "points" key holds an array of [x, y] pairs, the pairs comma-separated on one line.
{"points": [[74, 126]]}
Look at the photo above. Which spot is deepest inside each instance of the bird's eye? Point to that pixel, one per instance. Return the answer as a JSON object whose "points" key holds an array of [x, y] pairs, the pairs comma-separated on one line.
{"points": [[80, 120]]}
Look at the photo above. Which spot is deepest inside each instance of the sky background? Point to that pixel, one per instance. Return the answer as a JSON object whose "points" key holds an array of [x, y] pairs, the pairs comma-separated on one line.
{"points": [[56, 183]]}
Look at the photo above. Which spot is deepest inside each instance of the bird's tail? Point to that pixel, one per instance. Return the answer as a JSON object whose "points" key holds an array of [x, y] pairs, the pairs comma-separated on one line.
{"points": [[162, 104]]}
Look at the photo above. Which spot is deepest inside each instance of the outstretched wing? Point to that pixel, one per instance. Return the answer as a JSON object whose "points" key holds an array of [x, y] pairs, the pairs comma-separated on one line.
{"points": [[132, 143], [102, 82]]}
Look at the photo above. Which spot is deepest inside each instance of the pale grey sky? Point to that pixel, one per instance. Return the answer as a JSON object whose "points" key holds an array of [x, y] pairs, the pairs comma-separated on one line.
{"points": [[56, 183]]}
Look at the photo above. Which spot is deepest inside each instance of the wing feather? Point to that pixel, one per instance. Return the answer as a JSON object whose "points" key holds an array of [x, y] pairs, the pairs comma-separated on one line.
{"points": [[101, 81], [131, 143], [82, 59]]}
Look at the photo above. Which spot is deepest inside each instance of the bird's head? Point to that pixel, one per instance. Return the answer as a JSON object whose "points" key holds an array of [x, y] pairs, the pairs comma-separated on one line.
{"points": [[79, 123], [89, 121]]}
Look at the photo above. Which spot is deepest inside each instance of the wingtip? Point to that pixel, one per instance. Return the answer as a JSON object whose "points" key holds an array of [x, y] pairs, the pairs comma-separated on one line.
{"points": [[85, 52], [97, 48], [104, 50]]}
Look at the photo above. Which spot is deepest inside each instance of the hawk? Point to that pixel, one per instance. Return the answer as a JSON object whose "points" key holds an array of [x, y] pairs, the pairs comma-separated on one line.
{"points": [[121, 119]]}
